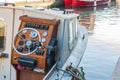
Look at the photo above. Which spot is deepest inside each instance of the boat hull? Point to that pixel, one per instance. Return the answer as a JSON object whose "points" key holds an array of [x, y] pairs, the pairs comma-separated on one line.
{"points": [[81, 3]]}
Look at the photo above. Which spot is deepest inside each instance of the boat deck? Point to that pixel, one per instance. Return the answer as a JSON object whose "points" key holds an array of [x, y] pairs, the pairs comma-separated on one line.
{"points": [[77, 54]]}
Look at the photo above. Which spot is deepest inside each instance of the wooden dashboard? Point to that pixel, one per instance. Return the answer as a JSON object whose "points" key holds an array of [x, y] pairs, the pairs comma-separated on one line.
{"points": [[29, 47]]}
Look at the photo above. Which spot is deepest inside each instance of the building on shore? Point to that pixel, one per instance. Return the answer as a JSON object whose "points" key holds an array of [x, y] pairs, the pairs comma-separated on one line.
{"points": [[117, 2]]}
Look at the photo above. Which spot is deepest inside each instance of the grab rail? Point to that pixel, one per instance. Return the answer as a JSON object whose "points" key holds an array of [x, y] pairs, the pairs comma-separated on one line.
{"points": [[7, 4]]}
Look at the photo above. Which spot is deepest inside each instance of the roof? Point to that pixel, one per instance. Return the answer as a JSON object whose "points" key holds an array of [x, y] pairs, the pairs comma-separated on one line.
{"points": [[51, 12]]}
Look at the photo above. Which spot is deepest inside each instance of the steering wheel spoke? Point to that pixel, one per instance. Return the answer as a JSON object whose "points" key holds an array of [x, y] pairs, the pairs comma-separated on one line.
{"points": [[21, 37]]}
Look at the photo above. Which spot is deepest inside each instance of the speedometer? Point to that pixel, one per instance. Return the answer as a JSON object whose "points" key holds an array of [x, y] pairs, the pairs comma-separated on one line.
{"points": [[33, 34]]}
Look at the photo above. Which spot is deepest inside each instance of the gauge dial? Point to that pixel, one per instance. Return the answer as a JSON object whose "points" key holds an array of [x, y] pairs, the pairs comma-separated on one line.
{"points": [[24, 31], [21, 43], [43, 40], [28, 43], [33, 34], [44, 34]]}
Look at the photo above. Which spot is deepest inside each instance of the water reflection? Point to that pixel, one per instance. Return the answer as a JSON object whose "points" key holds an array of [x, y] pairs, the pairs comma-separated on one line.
{"points": [[89, 10], [103, 47]]}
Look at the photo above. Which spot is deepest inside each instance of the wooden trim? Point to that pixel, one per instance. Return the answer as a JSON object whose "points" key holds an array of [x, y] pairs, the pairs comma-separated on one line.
{"points": [[38, 20]]}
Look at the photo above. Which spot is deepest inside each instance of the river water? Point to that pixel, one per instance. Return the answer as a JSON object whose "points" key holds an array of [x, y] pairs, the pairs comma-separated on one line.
{"points": [[103, 48]]}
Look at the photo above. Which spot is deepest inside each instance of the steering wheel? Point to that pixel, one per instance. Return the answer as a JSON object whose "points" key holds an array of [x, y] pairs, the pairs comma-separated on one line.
{"points": [[26, 41]]}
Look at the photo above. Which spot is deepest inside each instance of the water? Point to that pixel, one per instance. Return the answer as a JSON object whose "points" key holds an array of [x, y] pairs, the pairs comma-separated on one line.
{"points": [[103, 49]]}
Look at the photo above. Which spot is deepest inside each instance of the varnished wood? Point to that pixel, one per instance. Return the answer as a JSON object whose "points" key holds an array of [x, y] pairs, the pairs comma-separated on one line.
{"points": [[41, 59], [25, 18], [30, 75]]}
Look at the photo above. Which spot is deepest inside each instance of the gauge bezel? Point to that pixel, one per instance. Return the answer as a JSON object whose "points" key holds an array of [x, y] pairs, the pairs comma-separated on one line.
{"points": [[24, 31], [33, 34], [43, 40], [45, 33]]}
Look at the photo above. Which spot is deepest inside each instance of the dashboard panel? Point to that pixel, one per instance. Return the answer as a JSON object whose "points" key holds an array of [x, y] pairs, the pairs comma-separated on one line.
{"points": [[30, 42]]}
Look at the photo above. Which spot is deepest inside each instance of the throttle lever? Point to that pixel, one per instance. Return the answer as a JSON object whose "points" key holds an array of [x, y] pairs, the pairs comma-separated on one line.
{"points": [[49, 47]]}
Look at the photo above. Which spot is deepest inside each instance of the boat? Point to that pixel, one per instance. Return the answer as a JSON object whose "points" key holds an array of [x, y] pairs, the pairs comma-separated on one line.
{"points": [[84, 3], [39, 44]]}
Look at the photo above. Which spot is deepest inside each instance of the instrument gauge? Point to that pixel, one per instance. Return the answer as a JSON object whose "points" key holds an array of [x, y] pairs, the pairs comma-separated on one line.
{"points": [[28, 43], [24, 31], [33, 34], [43, 40], [21, 43], [44, 34]]}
